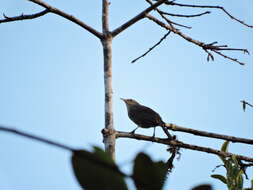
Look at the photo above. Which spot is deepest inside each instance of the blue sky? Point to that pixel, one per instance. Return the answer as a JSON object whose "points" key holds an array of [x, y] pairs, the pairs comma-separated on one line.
{"points": [[51, 79]]}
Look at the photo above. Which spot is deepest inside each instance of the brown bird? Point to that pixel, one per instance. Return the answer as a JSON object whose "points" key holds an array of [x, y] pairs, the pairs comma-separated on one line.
{"points": [[144, 116]]}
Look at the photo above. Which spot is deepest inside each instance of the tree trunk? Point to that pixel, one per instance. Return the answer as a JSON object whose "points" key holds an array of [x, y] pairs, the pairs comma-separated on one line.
{"points": [[109, 137]]}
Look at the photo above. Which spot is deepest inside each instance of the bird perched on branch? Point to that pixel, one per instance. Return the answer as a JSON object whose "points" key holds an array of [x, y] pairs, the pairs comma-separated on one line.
{"points": [[144, 117]]}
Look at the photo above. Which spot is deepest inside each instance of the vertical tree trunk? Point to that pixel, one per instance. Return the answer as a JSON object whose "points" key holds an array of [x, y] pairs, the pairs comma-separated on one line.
{"points": [[109, 137]]}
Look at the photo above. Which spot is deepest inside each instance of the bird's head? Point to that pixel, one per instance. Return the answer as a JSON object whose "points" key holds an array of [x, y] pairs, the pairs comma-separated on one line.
{"points": [[130, 102]]}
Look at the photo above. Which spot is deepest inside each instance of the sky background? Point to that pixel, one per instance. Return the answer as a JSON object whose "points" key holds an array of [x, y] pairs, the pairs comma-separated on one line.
{"points": [[51, 82]]}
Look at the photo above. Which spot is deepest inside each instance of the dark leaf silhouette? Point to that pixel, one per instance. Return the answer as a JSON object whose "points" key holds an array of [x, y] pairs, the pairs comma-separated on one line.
{"points": [[203, 187], [148, 175], [96, 170]]}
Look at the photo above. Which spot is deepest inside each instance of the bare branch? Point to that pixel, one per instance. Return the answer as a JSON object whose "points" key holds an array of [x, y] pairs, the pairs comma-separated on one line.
{"points": [[205, 47], [106, 165], [245, 104], [23, 17], [153, 47], [233, 139], [177, 24], [186, 16], [34, 137], [211, 7], [176, 143], [230, 58], [136, 18], [68, 17], [244, 166], [166, 19]]}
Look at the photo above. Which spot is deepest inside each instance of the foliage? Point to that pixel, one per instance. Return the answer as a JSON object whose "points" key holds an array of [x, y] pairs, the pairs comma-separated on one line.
{"points": [[96, 170], [234, 172]]}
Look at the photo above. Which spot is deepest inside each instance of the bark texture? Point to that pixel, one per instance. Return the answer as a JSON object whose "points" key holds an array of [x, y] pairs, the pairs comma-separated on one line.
{"points": [[109, 138]]}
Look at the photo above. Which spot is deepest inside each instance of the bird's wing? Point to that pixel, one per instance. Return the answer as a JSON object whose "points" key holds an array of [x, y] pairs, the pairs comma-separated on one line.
{"points": [[144, 116]]}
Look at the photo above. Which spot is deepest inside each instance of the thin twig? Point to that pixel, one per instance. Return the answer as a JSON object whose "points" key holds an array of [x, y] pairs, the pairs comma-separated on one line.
{"points": [[205, 47], [227, 57], [153, 47], [211, 7], [78, 152], [177, 24], [233, 139], [186, 16], [120, 134], [218, 167], [244, 167], [137, 18], [23, 16], [68, 17], [34, 137], [245, 104], [166, 19]]}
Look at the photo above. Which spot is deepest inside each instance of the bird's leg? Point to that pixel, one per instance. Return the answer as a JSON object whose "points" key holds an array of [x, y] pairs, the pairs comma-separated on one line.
{"points": [[167, 132], [154, 132], [132, 132]]}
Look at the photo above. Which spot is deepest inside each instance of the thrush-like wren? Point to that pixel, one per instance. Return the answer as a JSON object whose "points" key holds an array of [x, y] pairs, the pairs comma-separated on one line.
{"points": [[144, 116]]}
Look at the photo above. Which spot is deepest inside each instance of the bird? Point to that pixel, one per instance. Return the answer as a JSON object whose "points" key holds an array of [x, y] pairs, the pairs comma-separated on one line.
{"points": [[143, 116]]}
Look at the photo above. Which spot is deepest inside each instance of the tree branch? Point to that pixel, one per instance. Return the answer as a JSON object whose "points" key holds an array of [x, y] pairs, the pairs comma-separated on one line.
{"points": [[120, 134], [186, 16], [204, 46], [211, 7], [23, 17], [89, 157], [68, 17], [165, 18], [245, 104], [136, 18], [233, 139], [34, 137], [153, 47]]}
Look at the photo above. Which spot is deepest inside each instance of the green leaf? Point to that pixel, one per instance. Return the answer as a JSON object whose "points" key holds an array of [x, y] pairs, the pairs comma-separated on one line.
{"points": [[96, 170], [203, 187], [235, 160], [224, 146], [239, 182], [148, 175], [220, 177]]}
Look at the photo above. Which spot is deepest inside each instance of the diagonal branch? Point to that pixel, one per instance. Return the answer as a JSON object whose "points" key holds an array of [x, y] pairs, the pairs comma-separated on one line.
{"points": [[136, 18], [165, 18], [89, 157], [204, 46], [233, 139], [120, 134], [23, 17], [34, 137], [68, 17], [153, 47]]}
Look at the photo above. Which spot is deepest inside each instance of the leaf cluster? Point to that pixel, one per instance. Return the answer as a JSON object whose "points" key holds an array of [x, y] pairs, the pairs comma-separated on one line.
{"points": [[234, 172], [96, 170]]}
